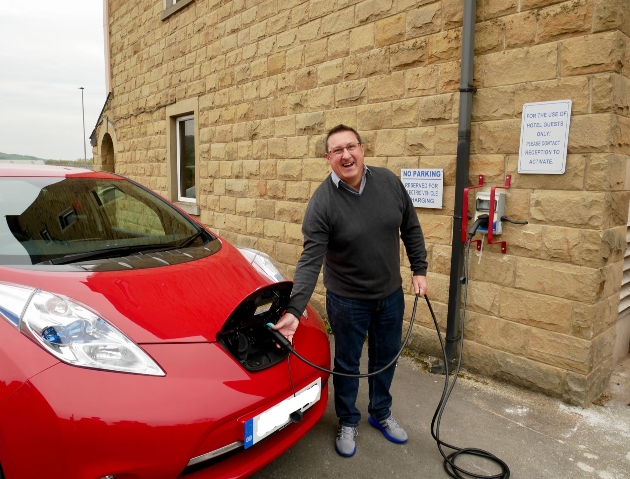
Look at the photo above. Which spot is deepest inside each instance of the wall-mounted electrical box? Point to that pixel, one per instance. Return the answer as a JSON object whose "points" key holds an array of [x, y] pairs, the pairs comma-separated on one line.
{"points": [[482, 207]]}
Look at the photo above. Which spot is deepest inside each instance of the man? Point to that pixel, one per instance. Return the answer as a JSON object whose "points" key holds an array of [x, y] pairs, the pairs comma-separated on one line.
{"points": [[353, 224]]}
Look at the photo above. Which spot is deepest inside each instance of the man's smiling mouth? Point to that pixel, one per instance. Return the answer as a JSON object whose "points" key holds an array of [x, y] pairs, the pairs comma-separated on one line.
{"points": [[348, 165]]}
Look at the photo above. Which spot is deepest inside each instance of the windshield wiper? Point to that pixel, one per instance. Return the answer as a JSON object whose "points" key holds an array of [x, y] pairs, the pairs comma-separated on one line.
{"points": [[118, 251], [188, 241]]}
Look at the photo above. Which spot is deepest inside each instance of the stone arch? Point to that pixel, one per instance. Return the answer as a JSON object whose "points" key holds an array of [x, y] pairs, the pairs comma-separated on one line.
{"points": [[107, 147]]}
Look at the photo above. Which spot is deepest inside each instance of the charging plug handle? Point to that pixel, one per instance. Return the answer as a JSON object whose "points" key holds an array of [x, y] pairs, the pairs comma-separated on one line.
{"points": [[481, 221], [279, 338]]}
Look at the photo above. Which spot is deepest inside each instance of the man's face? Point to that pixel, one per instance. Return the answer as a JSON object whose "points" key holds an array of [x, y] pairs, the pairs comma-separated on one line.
{"points": [[345, 157]]}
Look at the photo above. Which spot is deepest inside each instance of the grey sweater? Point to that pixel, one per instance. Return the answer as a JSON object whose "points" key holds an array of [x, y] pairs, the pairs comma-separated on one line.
{"points": [[357, 237]]}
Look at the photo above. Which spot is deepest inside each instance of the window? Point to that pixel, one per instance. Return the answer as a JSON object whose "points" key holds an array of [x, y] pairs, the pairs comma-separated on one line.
{"points": [[172, 6], [186, 159], [182, 146]]}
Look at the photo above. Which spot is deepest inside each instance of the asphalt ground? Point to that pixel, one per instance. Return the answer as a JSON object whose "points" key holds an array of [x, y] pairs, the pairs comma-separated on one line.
{"points": [[537, 436]]}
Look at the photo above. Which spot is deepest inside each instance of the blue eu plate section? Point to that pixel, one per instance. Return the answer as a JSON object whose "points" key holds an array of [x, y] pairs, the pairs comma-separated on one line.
{"points": [[249, 433]]}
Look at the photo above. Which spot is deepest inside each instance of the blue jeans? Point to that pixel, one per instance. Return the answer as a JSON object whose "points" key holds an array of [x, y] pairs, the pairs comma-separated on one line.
{"points": [[351, 320]]}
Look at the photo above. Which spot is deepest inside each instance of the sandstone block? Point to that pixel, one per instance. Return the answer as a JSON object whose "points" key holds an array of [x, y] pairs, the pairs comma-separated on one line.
{"points": [[234, 187], [493, 103], [499, 8], [377, 116], [437, 230], [374, 62], [372, 10], [566, 19], [484, 297], [310, 123], [362, 38], [277, 148], [560, 280], [561, 351], [575, 89], [405, 113], [386, 87], [351, 68], [322, 99], [450, 75], [492, 167], [390, 30], [494, 268], [339, 45], [339, 21], [440, 261], [290, 212], [227, 204], [297, 102], [609, 94], [245, 207], [422, 81], [445, 46], [452, 14], [276, 189], [297, 147], [330, 73], [408, 54], [589, 320], [561, 244], [315, 52], [499, 136], [274, 230], [521, 65], [293, 233], [540, 311], [436, 109], [345, 116], [295, 57], [268, 169], [489, 37], [446, 140], [285, 126], [298, 191], [351, 93], [390, 143], [424, 20], [572, 179], [568, 208], [520, 30], [420, 141], [581, 389], [290, 170], [527, 373], [523, 240], [605, 172], [501, 335], [318, 8], [593, 54], [609, 15], [315, 170], [276, 63]]}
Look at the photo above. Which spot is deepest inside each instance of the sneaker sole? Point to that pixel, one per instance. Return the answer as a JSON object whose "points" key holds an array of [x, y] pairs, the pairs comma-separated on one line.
{"points": [[384, 431], [346, 455]]}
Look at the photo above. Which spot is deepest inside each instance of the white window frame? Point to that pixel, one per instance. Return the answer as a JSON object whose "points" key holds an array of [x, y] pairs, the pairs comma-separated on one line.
{"points": [[178, 120], [172, 6]]}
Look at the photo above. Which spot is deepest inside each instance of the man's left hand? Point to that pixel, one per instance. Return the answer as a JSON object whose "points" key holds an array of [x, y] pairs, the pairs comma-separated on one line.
{"points": [[420, 285]]}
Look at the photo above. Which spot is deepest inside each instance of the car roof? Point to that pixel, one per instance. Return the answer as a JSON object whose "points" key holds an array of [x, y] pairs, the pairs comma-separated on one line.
{"points": [[49, 171]]}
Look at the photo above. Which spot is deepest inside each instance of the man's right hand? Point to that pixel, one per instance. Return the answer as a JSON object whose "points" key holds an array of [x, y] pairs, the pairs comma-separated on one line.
{"points": [[287, 326]]}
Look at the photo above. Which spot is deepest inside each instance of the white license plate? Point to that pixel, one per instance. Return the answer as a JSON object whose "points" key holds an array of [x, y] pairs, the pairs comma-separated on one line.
{"points": [[276, 417]]}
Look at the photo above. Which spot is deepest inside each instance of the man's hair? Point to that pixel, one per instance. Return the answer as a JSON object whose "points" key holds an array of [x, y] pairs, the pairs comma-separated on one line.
{"points": [[339, 128]]}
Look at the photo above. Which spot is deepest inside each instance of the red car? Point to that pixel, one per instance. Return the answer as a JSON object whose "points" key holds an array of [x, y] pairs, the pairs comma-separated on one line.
{"points": [[133, 341]]}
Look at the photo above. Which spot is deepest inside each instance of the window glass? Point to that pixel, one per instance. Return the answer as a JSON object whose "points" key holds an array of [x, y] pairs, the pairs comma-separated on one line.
{"points": [[46, 218], [186, 158]]}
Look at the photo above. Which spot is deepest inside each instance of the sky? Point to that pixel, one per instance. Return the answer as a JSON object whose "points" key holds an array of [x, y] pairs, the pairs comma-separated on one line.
{"points": [[48, 50]]}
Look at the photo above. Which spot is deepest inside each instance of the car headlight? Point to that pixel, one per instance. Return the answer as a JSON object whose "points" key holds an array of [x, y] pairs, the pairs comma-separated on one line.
{"points": [[72, 332], [263, 263]]}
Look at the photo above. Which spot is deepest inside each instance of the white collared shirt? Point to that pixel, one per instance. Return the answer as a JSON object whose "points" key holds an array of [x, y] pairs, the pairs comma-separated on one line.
{"points": [[338, 181]]}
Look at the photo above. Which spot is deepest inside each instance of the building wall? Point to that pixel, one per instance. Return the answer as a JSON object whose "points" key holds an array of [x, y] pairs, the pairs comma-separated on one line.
{"points": [[271, 77]]}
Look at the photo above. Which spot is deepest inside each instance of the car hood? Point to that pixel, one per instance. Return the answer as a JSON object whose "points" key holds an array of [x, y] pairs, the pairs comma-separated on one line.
{"points": [[187, 302]]}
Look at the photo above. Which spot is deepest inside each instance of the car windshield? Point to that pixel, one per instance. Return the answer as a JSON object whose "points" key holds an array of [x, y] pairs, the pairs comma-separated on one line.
{"points": [[61, 220]]}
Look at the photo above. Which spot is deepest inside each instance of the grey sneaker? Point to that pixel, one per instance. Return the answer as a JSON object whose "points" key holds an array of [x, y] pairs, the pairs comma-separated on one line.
{"points": [[390, 429], [345, 445]]}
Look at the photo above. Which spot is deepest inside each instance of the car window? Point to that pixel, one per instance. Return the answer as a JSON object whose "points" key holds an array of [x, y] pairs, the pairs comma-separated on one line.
{"points": [[42, 219]]}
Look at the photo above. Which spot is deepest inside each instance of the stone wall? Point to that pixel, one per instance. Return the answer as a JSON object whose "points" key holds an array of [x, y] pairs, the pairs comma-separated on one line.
{"points": [[272, 76]]}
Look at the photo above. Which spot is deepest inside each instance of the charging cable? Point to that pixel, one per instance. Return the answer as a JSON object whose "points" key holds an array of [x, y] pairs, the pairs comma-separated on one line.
{"points": [[450, 467]]}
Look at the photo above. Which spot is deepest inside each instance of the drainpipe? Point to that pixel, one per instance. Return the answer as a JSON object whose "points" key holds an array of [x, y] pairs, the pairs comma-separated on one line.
{"points": [[461, 181]]}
